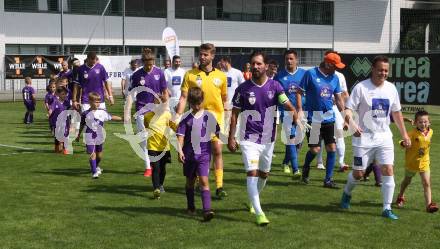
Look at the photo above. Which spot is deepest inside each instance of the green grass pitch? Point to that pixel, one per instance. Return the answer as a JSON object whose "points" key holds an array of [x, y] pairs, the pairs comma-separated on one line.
{"points": [[50, 201]]}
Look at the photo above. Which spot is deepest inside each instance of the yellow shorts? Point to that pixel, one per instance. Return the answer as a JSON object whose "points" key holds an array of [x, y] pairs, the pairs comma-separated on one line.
{"points": [[412, 173]]}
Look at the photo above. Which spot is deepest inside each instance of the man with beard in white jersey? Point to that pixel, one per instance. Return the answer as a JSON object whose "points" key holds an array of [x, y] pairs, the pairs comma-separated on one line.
{"points": [[174, 77], [373, 100]]}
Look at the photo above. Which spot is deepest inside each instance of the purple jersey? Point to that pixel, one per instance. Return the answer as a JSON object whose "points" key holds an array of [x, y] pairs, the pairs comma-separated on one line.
{"points": [[91, 80], [48, 99], [258, 106], [27, 95], [94, 121], [198, 133], [57, 108], [155, 80], [69, 75]]}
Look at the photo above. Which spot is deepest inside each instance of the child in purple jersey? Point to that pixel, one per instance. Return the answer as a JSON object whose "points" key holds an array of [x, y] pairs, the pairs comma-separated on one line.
{"points": [[29, 100], [55, 109], [194, 136], [94, 119], [50, 95]]}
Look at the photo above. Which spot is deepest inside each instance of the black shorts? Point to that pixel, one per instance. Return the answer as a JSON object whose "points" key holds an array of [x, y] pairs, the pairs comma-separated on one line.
{"points": [[166, 157], [326, 133]]}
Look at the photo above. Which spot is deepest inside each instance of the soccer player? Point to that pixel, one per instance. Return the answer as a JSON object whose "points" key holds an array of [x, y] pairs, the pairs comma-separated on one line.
{"points": [[174, 77], [94, 119], [91, 77], [373, 99], [166, 64], [50, 95], [28, 94], [257, 98], [417, 160], [158, 122], [234, 78], [272, 69], [195, 135], [290, 79], [126, 77], [320, 85], [151, 77], [55, 109], [213, 83], [66, 72], [339, 123]]}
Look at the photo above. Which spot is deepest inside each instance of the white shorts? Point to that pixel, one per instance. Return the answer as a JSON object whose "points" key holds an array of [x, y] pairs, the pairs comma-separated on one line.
{"points": [[339, 121], [365, 156], [85, 107], [256, 156]]}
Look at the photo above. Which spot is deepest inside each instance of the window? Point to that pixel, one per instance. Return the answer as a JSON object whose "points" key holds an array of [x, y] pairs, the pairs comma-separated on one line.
{"points": [[21, 5]]}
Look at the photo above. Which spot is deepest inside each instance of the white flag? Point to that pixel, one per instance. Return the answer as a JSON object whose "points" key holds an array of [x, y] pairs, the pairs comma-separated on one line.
{"points": [[169, 37]]}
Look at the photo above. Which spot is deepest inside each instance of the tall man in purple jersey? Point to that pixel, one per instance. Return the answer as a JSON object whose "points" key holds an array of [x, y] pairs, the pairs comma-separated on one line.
{"points": [[152, 78], [91, 77], [257, 100]]}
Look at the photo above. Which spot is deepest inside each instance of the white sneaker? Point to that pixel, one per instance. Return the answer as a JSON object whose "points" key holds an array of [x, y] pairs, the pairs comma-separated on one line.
{"points": [[99, 171], [96, 175], [320, 166]]}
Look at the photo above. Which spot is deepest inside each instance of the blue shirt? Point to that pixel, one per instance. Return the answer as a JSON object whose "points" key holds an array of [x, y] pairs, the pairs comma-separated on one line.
{"points": [[319, 89], [291, 84]]}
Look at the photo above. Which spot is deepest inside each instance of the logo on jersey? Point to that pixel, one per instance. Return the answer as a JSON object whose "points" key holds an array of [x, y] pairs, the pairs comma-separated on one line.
{"points": [[156, 76], [252, 98], [142, 81], [326, 92], [270, 94], [199, 80], [175, 81], [229, 81], [97, 71], [318, 80], [237, 99], [86, 75], [361, 67], [217, 81], [380, 108], [292, 89]]}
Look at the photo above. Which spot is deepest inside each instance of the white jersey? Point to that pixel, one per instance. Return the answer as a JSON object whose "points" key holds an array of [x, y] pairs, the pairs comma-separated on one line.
{"points": [[126, 76], [373, 105], [174, 80], [235, 78], [342, 81]]}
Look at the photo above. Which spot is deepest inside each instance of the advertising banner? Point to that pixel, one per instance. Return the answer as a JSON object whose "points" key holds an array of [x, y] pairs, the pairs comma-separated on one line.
{"points": [[34, 66]]}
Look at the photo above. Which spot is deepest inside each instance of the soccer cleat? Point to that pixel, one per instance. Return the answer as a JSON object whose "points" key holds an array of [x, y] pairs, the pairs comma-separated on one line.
{"points": [[208, 215], [366, 179], [305, 180], [345, 200], [343, 167], [286, 169], [220, 193], [296, 175], [378, 184], [95, 175], [65, 152], [148, 172], [400, 201], [162, 190], [432, 207], [388, 213], [330, 184], [156, 194], [191, 211], [320, 166], [262, 220], [99, 170], [251, 209]]}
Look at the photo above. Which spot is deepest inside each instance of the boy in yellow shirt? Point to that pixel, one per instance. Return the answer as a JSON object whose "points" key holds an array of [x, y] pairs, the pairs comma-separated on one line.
{"points": [[159, 127], [417, 160]]}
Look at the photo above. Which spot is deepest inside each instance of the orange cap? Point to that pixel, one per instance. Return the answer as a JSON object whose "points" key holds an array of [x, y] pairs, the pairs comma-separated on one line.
{"points": [[334, 59]]}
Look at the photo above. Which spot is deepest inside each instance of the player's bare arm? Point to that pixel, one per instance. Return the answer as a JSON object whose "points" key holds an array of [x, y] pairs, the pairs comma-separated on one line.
{"points": [[232, 143]]}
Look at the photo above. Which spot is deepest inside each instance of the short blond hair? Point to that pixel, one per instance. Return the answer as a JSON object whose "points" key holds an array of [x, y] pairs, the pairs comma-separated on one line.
{"points": [[93, 96]]}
